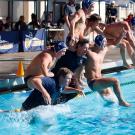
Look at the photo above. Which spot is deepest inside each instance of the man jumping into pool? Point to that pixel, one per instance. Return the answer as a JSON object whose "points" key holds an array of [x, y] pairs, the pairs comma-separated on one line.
{"points": [[95, 80]]}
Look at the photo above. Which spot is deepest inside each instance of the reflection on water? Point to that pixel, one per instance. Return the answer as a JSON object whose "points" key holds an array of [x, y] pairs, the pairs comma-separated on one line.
{"points": [[86, 115]]}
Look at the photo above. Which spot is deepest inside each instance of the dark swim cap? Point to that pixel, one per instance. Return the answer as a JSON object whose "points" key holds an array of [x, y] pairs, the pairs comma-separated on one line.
{"points": [[87, 3], [59, 45], [100, 41]]}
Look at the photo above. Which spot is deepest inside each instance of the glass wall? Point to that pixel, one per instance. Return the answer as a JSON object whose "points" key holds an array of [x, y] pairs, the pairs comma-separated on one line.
{"points": [[3, 9], [42, 10], [17, 10], [25, 8]]}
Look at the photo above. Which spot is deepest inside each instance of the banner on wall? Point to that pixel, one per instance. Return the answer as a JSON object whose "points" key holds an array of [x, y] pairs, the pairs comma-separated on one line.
{"points": [[33, 40], [9, 42]]}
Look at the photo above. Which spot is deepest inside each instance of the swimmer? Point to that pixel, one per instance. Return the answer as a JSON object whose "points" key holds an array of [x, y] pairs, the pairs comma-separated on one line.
{"points": [[114, 30], [79, 21], [123, 43], [95, 80], [40, 67], [56, 87]]}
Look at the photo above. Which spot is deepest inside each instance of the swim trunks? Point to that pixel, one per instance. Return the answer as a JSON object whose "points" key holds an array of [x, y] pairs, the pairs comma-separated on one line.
{"points": [[35, 98]]}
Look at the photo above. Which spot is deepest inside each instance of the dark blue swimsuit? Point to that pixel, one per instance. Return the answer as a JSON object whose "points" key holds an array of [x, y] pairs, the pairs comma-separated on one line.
{"points": [[35, 98]]}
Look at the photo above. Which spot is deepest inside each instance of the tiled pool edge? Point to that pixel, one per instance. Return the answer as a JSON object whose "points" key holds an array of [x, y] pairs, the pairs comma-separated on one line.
{"points": [[11, 82], [111, 67]]}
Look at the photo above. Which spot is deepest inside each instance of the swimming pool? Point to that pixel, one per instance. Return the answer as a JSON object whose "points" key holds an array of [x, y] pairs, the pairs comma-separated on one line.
{"points": [[88, 115]]}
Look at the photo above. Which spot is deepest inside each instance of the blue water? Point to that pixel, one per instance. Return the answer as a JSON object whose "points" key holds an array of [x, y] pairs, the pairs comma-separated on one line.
{"points": [[89, 115]]}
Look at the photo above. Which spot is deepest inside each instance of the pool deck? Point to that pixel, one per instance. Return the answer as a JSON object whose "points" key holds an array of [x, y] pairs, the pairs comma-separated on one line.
{"points": [[9, 82], [9, 62]]}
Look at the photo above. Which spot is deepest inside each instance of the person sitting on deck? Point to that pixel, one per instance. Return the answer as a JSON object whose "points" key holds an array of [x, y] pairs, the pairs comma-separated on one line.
{"points": [[40, 67], [60, 88]]}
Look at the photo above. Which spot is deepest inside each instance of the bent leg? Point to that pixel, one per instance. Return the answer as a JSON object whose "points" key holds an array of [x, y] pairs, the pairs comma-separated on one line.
{"points": [[129, 35], [103, 83], [36, 82], [123, 54], [130, 51], [108, 95]]}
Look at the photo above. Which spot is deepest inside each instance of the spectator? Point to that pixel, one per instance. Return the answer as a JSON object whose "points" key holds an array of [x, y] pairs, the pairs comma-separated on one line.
{"points": [[111, 13], [20, 25], [8, 24], [69, 11], [34, 23], [1, 26], [48, 22]]}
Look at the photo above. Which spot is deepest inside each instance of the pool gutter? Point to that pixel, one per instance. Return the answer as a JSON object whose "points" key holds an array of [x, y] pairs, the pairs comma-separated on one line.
{"points": [[12, 83]]}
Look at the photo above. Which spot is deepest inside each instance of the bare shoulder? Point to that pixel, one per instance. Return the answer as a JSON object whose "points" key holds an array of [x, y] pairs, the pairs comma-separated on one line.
{"points": [[45, 55], [103, 52], [80, 13], [90, 52]]}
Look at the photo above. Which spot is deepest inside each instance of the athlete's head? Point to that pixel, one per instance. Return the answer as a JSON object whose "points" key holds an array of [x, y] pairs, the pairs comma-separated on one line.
{"points": [[59, 48], [64, 76], [100, 41], [93, 20], [82, 47], [88, 4]]}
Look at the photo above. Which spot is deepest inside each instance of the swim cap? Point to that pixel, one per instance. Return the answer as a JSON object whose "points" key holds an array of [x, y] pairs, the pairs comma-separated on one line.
{"points": [[87, 3], [100, 41], [59, 45]]}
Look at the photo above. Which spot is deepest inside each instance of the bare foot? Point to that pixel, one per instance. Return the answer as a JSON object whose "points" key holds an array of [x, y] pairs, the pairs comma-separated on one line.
{"points": [[124, 103], [128, 66]]}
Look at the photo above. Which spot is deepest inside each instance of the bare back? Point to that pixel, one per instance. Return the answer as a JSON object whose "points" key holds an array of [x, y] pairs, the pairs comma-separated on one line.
{"points": [[35, 67], [115, 29]]}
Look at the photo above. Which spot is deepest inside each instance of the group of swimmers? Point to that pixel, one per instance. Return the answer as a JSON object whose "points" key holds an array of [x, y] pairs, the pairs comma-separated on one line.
{"points": [[57, 73]]}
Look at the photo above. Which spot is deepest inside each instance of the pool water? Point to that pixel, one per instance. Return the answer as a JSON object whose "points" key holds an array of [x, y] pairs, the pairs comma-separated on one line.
{"points": [[89, 115]]}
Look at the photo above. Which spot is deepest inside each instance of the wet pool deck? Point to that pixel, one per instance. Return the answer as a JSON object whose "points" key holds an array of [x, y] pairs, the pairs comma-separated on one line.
{"points": [[9, 62]]}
